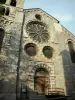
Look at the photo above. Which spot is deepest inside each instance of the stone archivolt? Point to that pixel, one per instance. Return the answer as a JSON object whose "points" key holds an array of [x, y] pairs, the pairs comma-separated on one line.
{"points": [[41, 66]]}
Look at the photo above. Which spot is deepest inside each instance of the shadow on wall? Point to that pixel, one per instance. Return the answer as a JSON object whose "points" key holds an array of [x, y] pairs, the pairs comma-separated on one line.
{"points": [[67, 58], [8, 87], [28, 93]]}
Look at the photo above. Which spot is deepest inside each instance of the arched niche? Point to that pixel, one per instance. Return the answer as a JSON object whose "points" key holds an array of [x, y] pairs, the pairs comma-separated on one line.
{"points": [[72, 52]]}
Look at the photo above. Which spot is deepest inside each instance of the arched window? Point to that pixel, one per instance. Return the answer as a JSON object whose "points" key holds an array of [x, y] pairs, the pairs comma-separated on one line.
{"points": [[1, 37], [2, 1], [72, 52], [13, 3]]}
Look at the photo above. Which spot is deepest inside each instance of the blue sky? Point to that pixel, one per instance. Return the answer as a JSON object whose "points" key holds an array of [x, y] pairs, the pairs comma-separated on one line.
{"points": [[63, 10]]}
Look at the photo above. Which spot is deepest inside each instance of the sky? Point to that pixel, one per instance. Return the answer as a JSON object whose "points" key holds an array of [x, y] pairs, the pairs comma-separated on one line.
{"points": [[62, 10]]}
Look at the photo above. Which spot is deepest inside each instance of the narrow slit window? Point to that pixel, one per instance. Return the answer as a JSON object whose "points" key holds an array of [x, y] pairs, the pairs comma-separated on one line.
{"points": [[1, 37], [7, 12]]}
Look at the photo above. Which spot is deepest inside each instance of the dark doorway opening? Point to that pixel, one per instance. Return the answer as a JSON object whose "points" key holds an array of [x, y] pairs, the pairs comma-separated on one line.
{"points": [[41, 81]]}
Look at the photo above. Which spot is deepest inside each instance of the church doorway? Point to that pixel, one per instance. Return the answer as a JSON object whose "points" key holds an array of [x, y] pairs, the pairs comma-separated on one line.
{"points": [[41, 80]]}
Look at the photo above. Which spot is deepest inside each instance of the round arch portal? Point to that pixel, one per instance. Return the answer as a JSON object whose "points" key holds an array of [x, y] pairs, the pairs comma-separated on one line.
{"points": [[41, 80]]}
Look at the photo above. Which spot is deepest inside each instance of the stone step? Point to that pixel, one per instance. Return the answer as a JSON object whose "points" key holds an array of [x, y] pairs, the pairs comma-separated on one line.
{"points": [[45, 98]]}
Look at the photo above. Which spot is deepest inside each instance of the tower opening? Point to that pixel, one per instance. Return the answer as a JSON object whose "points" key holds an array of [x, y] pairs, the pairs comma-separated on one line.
{"points": [[2, 10], [13, 3], [7, 12]]}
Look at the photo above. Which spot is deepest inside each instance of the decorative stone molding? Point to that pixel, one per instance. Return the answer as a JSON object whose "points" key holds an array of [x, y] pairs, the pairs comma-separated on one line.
{"points": [[45, 66]]}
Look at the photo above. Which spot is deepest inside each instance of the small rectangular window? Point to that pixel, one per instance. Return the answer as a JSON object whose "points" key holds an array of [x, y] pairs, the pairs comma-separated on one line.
{"points": [[1, 37], [13, 3]]}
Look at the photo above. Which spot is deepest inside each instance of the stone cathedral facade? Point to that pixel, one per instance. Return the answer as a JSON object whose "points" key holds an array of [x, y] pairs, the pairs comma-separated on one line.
{"points": [[42, 49]]}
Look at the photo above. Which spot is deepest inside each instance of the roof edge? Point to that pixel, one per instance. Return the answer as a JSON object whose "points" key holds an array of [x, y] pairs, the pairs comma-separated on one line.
{"points": [[43, 11]]}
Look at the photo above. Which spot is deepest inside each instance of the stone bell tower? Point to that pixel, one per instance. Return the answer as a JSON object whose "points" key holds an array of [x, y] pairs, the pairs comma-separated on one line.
{"points": [[10, 7], [16, 3], [11, 16]]}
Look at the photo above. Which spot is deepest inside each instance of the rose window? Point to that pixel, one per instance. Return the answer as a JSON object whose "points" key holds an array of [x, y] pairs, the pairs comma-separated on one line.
{"points": [[38, 31]]}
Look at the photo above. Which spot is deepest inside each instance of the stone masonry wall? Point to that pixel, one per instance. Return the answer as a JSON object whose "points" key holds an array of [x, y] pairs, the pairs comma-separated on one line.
{"points": [[61, 69], [55, 63], [9, 57]]}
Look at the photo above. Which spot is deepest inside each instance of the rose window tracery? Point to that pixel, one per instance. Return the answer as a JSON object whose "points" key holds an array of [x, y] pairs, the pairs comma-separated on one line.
{"points": [[38, 31]]}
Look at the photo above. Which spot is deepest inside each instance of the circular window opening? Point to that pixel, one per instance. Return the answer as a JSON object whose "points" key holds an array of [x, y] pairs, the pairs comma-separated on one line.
{"points": [[38, 16], [48, 51], [30, 49]]}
